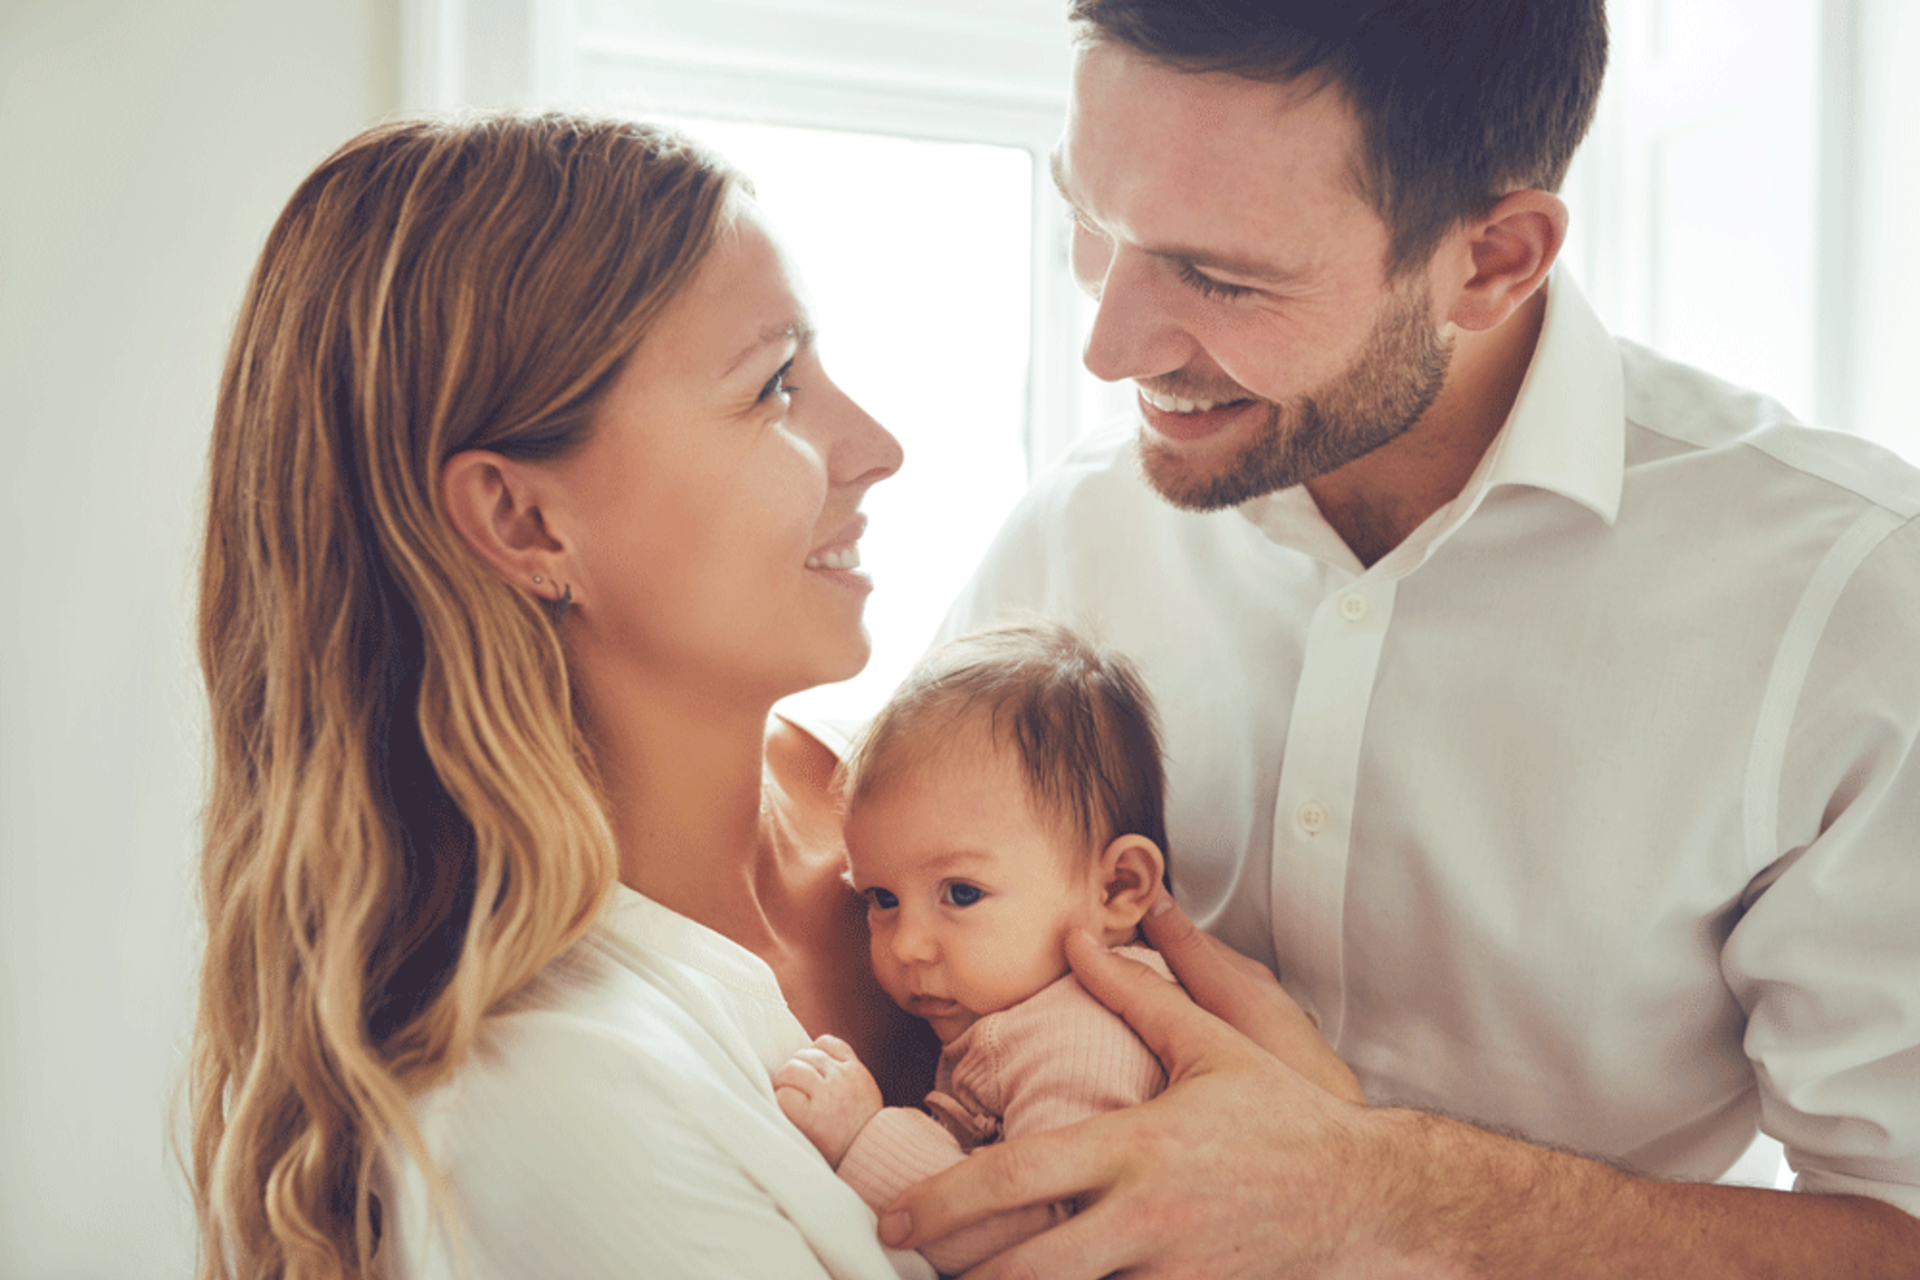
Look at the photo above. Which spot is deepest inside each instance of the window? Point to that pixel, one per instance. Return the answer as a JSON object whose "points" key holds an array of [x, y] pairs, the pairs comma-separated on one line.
{"points": [[1743, 203]]}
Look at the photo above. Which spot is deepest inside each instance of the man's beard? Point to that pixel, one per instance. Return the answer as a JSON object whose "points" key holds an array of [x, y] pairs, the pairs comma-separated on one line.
{"points": [[1371, 402]]}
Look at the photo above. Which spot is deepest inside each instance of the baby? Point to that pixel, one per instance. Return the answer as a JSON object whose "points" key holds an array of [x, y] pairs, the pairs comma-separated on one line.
{"points": [[1009, 793]]}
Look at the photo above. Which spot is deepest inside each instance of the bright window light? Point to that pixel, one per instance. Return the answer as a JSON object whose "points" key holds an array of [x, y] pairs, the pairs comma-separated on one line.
{"points": [[915, 257]]}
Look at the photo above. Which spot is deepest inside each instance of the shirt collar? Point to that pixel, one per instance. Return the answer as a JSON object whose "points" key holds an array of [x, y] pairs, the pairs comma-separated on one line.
{"points": [[1566, 434], [1567, 431]]}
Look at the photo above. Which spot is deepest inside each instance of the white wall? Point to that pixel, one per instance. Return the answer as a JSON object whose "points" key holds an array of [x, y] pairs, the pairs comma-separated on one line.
{"points": [[144, 149]]}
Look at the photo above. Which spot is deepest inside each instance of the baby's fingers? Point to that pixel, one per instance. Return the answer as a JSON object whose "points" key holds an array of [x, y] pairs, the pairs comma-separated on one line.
{"points": [[833, 1047], [798, 1072]]}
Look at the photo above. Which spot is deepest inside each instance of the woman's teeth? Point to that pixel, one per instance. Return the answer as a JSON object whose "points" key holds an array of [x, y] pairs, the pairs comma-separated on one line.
{"points": [[844, 558], [1174, 404]]}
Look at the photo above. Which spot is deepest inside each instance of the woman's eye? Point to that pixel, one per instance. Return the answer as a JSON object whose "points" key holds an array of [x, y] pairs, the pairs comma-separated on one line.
{"points": [[1207, 286], [964, 895], [882, 899], [778, 385]]}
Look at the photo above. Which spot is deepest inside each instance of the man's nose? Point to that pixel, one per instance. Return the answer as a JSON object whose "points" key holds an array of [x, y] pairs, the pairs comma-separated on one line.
{"points": [[1135, 331]]}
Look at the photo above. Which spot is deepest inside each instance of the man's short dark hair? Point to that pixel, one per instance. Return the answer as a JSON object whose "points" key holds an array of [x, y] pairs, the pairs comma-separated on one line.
{"points": [[1459, 101], [1076, 715]]}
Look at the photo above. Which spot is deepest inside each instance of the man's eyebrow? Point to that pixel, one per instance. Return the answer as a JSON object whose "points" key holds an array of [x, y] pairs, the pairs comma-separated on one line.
{"points": [[1246, 266], [1056, 168], [793, 331]]}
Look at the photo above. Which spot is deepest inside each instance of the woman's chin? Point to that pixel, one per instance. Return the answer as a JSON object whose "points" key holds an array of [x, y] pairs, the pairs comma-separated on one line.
{"points": [[849, 660]]}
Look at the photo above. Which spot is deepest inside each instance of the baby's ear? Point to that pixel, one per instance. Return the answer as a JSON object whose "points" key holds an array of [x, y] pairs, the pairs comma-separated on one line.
{"points": [[1130, 871]]}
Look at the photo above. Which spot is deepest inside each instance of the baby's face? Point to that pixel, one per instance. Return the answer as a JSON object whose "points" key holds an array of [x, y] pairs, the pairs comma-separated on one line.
{"points": [[970, 893]]}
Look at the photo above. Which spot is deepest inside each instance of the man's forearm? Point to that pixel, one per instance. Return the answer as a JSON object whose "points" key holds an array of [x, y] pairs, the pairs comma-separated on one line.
{"points": [[1467, 1202]]}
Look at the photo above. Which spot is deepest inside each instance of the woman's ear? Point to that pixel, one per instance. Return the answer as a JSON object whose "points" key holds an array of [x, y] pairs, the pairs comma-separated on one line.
{"points": [[1130, 871], [1505, 255], [490, 500]]}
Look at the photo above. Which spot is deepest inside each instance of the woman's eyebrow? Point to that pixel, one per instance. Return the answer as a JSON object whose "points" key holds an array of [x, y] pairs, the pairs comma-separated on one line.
{"points": [[794, 331]]}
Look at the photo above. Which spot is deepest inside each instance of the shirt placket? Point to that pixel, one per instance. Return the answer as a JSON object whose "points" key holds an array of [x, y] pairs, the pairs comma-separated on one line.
{"points": [[1319, 780]]}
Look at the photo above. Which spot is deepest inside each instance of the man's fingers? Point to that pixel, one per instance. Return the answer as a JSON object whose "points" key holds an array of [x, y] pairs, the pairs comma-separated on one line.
{"points": [[1084, 1247], [1036, 1169], [1231, 987], [1212, 972], [1158, 1011]]}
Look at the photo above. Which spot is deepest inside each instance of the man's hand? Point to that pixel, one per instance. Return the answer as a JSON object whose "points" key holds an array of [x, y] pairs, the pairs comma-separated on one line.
{"points": [[1232, 987], [1231, 1171], [828, 1094]]}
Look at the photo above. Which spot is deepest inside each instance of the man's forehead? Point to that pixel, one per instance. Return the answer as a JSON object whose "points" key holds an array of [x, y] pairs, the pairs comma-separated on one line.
{"points": [[1204, 166]]}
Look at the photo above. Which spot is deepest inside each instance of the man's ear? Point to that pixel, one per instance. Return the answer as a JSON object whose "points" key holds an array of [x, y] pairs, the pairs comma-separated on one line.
{"points": [[1130, 871], [490, 500], [1504, 256]]}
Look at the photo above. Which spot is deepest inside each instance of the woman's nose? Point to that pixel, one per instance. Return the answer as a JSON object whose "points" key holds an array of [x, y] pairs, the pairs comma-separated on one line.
{"points": [[864, 452]]}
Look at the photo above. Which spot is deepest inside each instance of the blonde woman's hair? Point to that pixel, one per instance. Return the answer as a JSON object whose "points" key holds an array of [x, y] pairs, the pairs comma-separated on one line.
{"points": [[404, 824]]}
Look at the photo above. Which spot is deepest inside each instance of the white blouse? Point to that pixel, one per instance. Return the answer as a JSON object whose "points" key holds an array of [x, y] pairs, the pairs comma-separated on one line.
{"points": [[619, 1121], [1593, 810]]}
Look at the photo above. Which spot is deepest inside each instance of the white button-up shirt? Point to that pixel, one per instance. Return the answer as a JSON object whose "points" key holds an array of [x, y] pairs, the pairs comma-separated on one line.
{"points": [[1593, 809]]}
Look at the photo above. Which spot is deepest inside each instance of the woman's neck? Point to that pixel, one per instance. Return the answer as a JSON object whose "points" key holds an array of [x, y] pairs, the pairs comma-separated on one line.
{"points": [[684, 780]]}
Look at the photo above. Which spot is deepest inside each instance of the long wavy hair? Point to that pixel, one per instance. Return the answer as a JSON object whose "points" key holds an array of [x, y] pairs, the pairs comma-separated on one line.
{"points": [[404, 823]]}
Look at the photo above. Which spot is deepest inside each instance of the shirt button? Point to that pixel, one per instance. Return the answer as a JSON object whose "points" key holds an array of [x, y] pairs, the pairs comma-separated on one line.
{"points": [[1353, 606], [1312, 818]]}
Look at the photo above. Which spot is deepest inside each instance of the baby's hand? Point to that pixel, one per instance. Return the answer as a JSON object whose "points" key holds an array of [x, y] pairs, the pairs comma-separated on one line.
{"points": [[828, 1094]]}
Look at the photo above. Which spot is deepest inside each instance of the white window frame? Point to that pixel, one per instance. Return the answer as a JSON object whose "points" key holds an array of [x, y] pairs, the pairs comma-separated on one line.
{"points": [[1613, 204]]}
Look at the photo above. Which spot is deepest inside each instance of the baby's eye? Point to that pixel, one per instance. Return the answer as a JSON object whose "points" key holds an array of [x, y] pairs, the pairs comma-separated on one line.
{"points": [[964, 895], [882, 899]]}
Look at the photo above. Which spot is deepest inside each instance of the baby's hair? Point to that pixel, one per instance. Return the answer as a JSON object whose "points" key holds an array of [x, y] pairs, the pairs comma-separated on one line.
{"points": [[1076, 713]]}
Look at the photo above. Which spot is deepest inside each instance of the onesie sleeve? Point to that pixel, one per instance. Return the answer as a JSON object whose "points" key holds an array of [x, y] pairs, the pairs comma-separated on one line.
{"points": [[1062, 1057], [1051, 1061]]}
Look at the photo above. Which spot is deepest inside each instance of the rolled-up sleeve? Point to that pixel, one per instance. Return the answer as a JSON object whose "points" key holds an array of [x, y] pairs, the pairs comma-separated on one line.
{"points": [[1826, 956]]}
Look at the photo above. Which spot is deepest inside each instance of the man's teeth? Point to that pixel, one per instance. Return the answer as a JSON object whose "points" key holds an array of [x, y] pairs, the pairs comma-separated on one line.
{"points": [[844, 558], [1174, 404]]}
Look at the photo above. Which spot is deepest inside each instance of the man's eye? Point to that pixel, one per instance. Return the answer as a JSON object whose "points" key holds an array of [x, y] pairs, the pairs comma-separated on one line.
{"points": [[1207, 286], [964, 895], [882, 899]]}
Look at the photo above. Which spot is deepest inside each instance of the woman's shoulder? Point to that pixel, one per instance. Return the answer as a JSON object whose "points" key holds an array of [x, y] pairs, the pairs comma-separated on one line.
{"points": [[803, 753], [808, 745], [619, 1110]]}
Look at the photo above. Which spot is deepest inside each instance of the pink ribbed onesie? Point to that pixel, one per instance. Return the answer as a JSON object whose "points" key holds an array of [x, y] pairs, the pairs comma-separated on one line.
{"points": [[1056, 1057]]}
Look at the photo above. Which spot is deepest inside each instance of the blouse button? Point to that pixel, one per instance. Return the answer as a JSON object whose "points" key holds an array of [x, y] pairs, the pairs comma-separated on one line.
{"points": [[1312, 818]]}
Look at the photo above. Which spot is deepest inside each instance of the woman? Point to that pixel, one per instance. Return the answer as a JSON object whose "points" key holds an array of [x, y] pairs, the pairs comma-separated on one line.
{"points": [[528, 498]]}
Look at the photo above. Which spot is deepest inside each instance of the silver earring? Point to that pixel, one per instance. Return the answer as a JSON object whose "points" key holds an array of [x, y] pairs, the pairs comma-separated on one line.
{"points": [[564, 603], [537, 579]]}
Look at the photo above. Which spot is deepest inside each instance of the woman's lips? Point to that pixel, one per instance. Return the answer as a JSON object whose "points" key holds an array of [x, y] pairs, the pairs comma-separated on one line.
{"points": [[842, 550], [839, 557]]}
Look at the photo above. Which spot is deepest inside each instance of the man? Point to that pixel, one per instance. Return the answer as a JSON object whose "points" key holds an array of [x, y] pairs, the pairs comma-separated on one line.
{"points": [[1542, 712]]}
